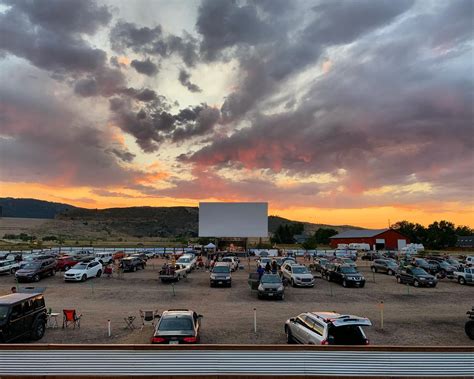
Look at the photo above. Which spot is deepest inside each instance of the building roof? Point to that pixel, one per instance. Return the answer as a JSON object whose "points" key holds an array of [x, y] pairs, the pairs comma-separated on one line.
{"points": [[360, 233]]}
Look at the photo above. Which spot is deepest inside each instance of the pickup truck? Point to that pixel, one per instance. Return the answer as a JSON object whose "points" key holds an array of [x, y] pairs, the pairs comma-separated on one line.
{"points": [[465, 275], [172, 273]]}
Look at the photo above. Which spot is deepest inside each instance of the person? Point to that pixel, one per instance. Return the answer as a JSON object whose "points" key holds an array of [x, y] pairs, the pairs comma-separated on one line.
{"points": [[274, 267], [260, 272], [13, 289], [268, 268]]}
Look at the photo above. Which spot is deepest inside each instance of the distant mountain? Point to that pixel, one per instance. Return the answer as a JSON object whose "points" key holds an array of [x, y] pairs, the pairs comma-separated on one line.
{"points": [[31, 208]]}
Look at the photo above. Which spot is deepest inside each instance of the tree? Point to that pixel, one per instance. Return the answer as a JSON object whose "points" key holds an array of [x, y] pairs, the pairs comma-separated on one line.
{"points": [[285, 232], [322, 235], [310, 243], [440, 235], [463, 230]]}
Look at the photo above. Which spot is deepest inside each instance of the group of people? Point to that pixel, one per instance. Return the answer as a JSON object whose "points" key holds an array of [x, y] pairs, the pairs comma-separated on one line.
{"points": [[268, 269]]}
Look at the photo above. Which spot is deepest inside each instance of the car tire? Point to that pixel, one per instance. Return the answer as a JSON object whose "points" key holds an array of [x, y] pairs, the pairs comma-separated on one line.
{"points": [[374, 269], [38, 330], [282, 297], [328, 278], [344, 283], [390, 272], [84, 278], [469, 329], [36, 278], [289, 337], [399, 280], [293, 284], [134, 268], [461, 280], [179, 278], [12, 271], [416, 283], [99, 273]]}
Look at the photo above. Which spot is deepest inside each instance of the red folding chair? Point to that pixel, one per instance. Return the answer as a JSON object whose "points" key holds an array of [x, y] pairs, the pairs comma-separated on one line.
{"points": [[70, 317]]}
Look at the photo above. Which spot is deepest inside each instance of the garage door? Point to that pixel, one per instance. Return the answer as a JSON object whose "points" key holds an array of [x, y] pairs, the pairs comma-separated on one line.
{"points": [[401, 244]]}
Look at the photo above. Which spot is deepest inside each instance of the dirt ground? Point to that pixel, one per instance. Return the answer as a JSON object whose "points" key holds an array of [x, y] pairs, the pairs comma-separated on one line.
{"points": [[412, 316]]}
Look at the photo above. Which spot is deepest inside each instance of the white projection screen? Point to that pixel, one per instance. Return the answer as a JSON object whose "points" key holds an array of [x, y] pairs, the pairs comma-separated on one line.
{"points": [[233, 219]]}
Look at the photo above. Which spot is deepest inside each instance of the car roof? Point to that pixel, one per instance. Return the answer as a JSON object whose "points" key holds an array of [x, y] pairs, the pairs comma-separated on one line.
{"points": [[295, 265], [221, 264], [177, 312], [16, 297]]}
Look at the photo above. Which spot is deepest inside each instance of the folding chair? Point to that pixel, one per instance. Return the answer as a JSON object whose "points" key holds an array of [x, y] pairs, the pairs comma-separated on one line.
{"points": [[148, 317], [71, 317]]}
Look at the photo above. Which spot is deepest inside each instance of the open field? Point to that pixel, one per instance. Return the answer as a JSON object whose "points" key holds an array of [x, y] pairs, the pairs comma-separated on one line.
{"points": [[424, 316]]}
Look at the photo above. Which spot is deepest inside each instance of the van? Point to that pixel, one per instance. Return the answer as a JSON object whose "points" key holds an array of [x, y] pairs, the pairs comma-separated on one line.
{"points": [[22, 315]]}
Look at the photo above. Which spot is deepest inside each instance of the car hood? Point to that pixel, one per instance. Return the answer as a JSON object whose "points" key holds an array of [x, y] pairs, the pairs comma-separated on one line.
{"points": [[425, 276], [271, 285], [304, 276], [75, 271], [26, 272]]}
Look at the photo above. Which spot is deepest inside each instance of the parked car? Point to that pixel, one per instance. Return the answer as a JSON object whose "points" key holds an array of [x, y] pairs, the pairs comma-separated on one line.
{"points": [[423, 263], [320, 263], [232, 262], [83, 271], [132, 264], [345, 275], [221, 275], [188, 261], [22, 315], [262, 262], [297, 275], [387, 266], [443, 268], [469, 260], [82, 254], [172, 273], [454, 262], [141, 256], [104, 257], [118, 255], [416, 276], [64, 263], [35, 270], [9, 266], [271, 286], [371, 255], [326, 328], [345, 261], [469, 326], [178, 326], [464, 275], [150, 254]]}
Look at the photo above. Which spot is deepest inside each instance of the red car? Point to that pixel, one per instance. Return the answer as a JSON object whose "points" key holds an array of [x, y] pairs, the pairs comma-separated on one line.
{"points": [[65, 263]]}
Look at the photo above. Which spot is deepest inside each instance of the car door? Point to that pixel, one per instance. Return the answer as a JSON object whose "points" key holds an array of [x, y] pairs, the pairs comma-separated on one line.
{"points": [[313, 332], [469, 275], [17, 322], [288, 271], [409, 278], [298, 329]]}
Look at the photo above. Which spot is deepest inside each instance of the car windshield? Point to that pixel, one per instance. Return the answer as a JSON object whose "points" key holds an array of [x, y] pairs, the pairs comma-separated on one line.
{"points": [[175, 323], [222, 269], [270, 279], [392, 263], [31, 266], [348, 270], [80, 266], [3, 312], [421, 262], [453, 261], [418, 271], [183, 260], [300, 270]]}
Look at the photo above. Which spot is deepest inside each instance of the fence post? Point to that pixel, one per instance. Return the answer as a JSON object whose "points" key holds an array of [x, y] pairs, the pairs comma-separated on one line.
{"points": [[255, 320]]}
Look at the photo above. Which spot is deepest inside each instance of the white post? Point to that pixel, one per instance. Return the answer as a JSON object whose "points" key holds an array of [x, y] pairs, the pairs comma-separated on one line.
{"points": [[108, 328], [255, 320]]}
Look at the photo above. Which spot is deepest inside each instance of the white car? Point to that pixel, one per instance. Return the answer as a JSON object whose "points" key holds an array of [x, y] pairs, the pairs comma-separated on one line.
{"points": [[470, 260], [262, 262], [298, 275], [188, 261], [104, 258], [232, 261], [9, 266], [83, 271]]}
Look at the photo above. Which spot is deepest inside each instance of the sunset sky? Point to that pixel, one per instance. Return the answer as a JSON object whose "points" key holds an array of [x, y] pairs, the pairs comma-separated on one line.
{"points": [[337, 112]]}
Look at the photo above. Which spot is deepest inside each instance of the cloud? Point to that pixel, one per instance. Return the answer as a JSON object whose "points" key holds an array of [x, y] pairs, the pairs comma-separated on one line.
{"points": [[184, 77], [146, 67]]}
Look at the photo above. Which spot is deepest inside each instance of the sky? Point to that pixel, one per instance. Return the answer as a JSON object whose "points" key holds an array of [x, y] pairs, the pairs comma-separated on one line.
{"points": [[338, 112]]}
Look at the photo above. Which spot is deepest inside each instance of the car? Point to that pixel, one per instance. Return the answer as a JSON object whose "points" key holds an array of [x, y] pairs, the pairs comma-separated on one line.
{"points": [[371, 255], [423, 263], [387, 266], [262, 262], [22, 315], [188, 261], [141, 256], [65, 262], [271, 286], [464, 275], [320, 263], [345, 275], [297, 275], [104, 257], [469, 326], [82, 254], [443, 268], [83, 271], [454, 262], [118, 255], [469, 260], [177, 326], [9, 266], [326, 328], [346, 261], [221, 275], [232, 262], [150, 254], [416, 276], [172, 273], [35, 270], [132, 264]]}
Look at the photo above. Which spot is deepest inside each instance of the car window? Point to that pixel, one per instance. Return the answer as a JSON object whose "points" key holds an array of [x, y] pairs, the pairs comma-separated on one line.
{"points": [[28, 306], [39, 302], [16, 311], [221, 269], [3, 312], [300, 270]]}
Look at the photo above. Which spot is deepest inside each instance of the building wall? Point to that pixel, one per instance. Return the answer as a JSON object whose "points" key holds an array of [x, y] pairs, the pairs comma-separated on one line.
{"points": [[391, 238]]}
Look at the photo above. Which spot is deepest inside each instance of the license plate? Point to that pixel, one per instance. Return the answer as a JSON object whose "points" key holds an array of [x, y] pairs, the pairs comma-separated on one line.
{"points": [[357, 284], [219, 282], [174, 343], [270, 294]]}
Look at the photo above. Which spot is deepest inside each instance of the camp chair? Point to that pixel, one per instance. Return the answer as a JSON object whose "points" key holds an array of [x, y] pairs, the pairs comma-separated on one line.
{"points": [[148, 317], [71, 317]]}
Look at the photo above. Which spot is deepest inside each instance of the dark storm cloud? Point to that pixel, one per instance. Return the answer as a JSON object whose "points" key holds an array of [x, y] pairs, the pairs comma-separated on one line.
{"points": [[146, 67], [205, 122], [184, 79], [124, 155], [104, 82]]}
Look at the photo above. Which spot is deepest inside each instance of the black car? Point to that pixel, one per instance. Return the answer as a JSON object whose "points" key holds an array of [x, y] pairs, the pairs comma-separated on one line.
{"points": [[387, 266], [423, 263], [141, 256], [33, 271], [416, 276], [370, 256], [177, 326], [345, 275], [443, 268], [220, 275], [132, 264], [22, 315], [320, 264]]}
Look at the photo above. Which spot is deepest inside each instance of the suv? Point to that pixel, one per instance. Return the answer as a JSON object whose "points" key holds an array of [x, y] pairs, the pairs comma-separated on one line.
{"points": [[271, 286], [298, 275], [188, 261], [132, 264], [177, 326], [326, 328], [384, 265], [220, 275], [232, 262], [104, 257], [9, 266], [22, 315], [345, 275], [416, 276], [35, 270], [464, 275]]}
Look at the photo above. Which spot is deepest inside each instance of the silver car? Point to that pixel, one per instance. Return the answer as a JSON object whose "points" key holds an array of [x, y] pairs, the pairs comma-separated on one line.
{"points": [[297, 275]]}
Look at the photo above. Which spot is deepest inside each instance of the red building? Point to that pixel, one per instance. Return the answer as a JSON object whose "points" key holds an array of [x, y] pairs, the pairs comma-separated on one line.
{"points": [[389, 239]]}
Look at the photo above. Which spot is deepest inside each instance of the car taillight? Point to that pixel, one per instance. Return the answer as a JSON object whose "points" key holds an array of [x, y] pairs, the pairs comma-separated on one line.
{"points": [[367, 341], [157, 340], [324, 342], [190, 339]]}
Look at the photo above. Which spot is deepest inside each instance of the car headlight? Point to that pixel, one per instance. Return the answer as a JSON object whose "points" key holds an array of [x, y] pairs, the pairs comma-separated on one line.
{"points": [[227, 277], [422, 278], [280, 288], [260, 287], [213, 276]]}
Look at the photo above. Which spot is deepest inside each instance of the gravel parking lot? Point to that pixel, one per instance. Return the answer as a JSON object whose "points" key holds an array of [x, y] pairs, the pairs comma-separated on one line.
{"points": [[412, 316]]}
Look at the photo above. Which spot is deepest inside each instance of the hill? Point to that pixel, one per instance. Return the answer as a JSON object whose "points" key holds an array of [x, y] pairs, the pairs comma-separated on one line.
{"points": [[31, 208]]}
